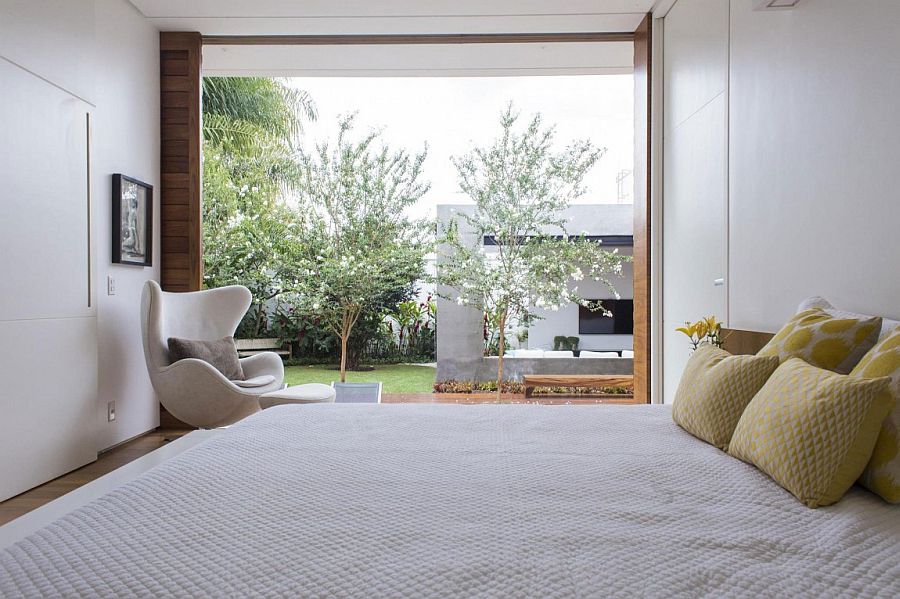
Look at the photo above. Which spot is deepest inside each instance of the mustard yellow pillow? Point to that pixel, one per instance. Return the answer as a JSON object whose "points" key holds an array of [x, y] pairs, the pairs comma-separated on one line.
{"points": [[882, 474], [714, 390], [812, 430], [829, 342]]}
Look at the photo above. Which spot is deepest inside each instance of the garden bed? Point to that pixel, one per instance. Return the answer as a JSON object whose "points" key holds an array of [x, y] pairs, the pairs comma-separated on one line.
{"points": [[514, 388]]}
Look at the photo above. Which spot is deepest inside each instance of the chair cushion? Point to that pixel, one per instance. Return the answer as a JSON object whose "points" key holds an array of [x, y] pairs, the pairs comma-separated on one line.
{"points": [[825, 341], [882, 473], [812, 430], [256, 381], [298, 394], [221, 354], [714, 391]]}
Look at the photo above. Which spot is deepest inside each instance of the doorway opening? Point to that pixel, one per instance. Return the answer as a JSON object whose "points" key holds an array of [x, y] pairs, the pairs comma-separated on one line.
{"points": [[451, 113]]}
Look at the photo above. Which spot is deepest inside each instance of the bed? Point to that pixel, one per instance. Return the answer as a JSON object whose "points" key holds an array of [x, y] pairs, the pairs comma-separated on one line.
{"points": [[458, 501]]}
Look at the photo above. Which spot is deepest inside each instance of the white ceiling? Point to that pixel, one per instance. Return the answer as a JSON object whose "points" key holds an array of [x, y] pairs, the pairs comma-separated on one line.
{"points": [[293, 17], [466, 60]]}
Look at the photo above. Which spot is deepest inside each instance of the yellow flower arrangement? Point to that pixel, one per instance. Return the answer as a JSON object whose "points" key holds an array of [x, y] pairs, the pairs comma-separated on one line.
{"points": [[705, 330]]}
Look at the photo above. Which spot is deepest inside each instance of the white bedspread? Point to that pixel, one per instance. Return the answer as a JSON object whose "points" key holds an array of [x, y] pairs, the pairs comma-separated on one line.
{"points": [[459, 501]]}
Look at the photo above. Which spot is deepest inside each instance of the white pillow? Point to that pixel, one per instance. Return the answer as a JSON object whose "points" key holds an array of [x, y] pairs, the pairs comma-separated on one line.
{"points": [[558, 354], [529, 353], [598, 354], [887, 325]]}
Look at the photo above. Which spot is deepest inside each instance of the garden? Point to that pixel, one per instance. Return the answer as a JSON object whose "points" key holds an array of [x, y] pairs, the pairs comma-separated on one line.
{"points": [[320, 234]]}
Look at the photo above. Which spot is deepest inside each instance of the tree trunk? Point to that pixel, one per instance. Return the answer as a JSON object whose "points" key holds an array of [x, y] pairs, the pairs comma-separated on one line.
{"points": [[501, 348], [345, 334], [259, 317], [350, 316]]}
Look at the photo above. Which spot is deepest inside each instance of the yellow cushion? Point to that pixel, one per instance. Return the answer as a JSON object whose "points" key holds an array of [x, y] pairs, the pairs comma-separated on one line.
{"points": [[714, 390], [812, 430], [829, 342], [882, 474]]}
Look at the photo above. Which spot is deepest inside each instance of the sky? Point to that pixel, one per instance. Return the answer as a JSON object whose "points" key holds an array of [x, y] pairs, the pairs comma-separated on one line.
{"points": [[455, 114]]}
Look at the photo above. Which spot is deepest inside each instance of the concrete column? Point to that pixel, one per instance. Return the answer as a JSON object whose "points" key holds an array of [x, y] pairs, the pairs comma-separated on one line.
{"points": [[460, 337]]}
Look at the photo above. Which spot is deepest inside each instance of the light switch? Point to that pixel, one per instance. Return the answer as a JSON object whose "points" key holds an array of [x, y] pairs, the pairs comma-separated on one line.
{"points": [[110, 285]]}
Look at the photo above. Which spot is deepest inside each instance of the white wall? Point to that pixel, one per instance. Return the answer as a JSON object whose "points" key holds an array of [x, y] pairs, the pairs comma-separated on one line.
{"points": [[59, 60], [694, 173], [814, 128], [565, 320], [811, 153], [126, 140]]}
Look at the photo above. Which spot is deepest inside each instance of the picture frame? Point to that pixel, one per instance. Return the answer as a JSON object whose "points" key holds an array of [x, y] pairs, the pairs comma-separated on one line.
{"points": [[132, 221]]}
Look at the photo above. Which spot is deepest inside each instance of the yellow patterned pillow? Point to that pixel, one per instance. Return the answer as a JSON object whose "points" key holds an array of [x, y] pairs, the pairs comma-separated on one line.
{"points": [[882, 474], [714, 390], [823, 340], [812, 430]]}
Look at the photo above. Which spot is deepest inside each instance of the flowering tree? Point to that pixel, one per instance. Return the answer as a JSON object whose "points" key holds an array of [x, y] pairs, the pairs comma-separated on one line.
{"points": [[355, 244], [250, 128], [520, 187]]}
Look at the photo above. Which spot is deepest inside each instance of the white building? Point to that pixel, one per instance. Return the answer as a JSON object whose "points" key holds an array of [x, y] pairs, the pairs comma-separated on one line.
{"points": [[460, 328]]}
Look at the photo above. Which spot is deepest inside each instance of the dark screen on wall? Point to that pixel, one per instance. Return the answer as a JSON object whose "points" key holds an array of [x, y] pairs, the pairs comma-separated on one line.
{"points": [[596, 323]]}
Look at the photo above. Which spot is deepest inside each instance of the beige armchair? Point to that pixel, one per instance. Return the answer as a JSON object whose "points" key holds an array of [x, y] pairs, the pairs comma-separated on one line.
{"points": [[192, 390]]}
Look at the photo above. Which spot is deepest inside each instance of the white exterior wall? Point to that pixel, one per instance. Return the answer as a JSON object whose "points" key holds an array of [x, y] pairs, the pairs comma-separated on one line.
{"points": [[565, 320]]}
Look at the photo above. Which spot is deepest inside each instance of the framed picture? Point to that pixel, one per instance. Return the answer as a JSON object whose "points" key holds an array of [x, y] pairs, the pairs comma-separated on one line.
{"points": [[132, 221]]}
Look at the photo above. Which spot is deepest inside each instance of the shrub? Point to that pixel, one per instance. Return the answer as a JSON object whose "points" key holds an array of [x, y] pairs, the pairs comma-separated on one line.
{"points": [[454, 386]]}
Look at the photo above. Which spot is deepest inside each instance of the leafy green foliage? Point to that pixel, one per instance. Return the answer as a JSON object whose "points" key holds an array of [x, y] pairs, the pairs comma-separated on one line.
{"points": [[246, 114], [454, 386], [250, 127], [521, 187], [359, 250]]}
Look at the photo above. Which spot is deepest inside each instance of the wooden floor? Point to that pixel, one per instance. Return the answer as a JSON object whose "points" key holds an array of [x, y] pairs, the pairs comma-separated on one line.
{"points": [[119, 456], [108, 461]]}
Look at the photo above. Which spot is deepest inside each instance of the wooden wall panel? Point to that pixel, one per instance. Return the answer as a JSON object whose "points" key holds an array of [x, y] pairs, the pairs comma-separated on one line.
{"points": [[740, 342], [642, 86], [180, 137]]}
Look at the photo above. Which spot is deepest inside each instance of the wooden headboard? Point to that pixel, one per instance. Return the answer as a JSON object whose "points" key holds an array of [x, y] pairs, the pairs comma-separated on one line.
{"points": [[738, 341]]}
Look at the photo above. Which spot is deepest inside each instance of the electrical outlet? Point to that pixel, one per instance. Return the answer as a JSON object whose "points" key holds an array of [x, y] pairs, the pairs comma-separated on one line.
{"points": [[110, 285], [111, 411]]}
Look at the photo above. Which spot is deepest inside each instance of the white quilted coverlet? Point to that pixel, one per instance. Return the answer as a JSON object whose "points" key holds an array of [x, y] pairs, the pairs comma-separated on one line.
{"points": [[458, 501]]}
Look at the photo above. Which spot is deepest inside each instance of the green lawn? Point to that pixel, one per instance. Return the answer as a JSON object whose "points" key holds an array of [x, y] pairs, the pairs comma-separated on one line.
{"points": [[396, 378]]}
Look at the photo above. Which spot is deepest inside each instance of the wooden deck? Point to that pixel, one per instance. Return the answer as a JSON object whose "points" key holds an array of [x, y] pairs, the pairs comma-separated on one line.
{"points": [[588, 381], [507, 398]]}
